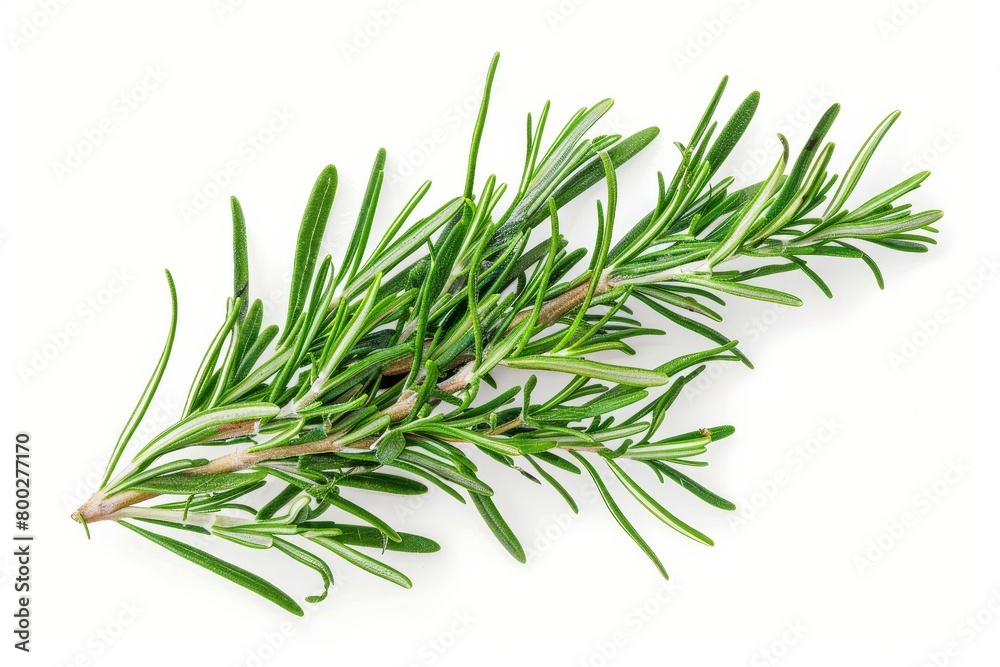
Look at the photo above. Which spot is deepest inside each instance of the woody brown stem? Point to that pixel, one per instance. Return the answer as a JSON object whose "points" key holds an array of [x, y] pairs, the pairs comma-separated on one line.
{"points": [[556, 307], [101, 508]]}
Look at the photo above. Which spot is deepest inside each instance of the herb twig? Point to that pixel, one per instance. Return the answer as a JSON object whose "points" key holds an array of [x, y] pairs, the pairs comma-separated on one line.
{"points": [[372, 385]]}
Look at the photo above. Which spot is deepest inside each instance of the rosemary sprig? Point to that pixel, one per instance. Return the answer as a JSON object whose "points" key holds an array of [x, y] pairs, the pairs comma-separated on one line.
{"points": [[372, 383]]}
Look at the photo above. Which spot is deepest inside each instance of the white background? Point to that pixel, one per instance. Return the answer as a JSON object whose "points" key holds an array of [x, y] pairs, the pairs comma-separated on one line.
{"points": [[882, 429]]}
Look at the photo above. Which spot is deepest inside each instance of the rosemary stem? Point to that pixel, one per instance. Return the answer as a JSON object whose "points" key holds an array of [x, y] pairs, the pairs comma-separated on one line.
{"points": [[101, 508]]}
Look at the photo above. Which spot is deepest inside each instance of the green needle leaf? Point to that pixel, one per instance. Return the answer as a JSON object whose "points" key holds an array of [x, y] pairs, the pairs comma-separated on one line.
{"points": [[310, 238], [477, 133], [366, 563], [241, 266], [655, 508], [445, 472], [359, 238], [636, 377], [383, 483], [694, 487], [732, 132], [364, 536], [619, 515], [491, 515], [188, 485], [747, 217], [147, 394], [853, 173], [363, 514], [593, 172], [555, 484], [308, 559], [744, 290], [222, 568]]}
